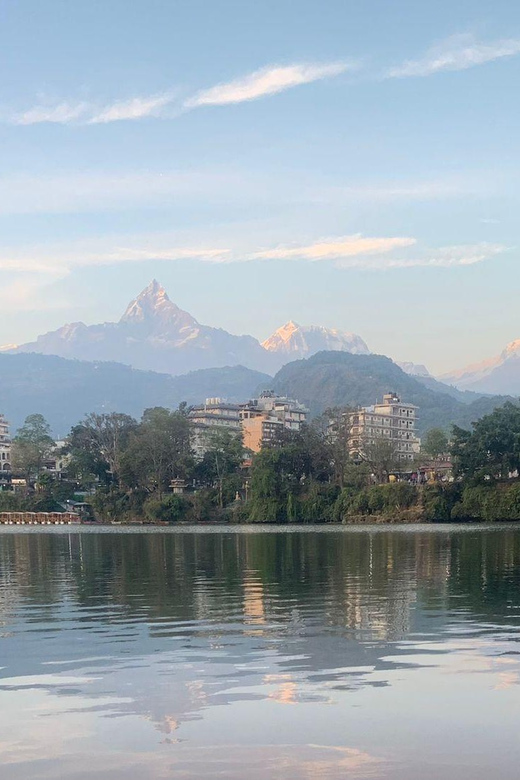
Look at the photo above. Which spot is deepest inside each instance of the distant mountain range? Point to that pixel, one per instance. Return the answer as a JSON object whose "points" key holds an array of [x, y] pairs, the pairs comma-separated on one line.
{"points": [[154, 334], [500, 374]]}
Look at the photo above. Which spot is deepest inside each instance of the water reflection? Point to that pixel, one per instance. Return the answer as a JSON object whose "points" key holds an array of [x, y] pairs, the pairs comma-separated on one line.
{"points": [[283, 655]]}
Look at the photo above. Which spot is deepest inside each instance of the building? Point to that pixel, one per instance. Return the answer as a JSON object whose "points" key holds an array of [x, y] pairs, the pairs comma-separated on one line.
{"points": [[391, 420], [259, 421], [265, 417], [214, 414], [5, 450]]}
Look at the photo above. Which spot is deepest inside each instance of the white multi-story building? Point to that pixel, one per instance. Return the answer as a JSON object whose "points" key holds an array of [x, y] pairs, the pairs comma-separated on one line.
{"points": [[215, 413], [5, 447], [392, 420]]}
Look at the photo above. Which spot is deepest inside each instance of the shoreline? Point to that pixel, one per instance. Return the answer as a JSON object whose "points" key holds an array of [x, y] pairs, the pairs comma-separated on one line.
{"points": [[259, 528]]}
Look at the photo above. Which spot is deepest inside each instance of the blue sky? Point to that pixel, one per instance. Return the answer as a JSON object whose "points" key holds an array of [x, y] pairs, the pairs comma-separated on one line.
{"points": [[350, 164]]}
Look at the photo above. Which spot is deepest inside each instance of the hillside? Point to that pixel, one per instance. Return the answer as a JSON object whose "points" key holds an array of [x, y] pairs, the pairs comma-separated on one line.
{"points": [[65, 390], [340, 379]]}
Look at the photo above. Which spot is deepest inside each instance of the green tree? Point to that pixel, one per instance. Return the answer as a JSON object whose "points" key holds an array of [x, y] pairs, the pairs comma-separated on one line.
{"points": [[435, 442], [335, 427], [32, 446], [158, 451], [492, 449], [220, 466], [98, 443]]}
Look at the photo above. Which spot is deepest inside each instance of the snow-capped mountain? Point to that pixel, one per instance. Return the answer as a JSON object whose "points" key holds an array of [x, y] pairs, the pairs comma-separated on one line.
{"points": [[500, 374], [154, 334], [414, 369], [293, 341]]}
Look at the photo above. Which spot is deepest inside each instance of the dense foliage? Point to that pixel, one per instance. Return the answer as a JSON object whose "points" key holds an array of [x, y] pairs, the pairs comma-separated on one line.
{"points": [[146, 471]]}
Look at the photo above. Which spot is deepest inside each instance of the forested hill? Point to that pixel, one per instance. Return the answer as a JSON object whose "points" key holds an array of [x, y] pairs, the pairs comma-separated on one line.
{"points": [[65, 390], [339, 379]]}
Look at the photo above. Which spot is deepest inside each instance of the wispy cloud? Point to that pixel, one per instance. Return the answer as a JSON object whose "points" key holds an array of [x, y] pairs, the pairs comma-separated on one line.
{"points": [[266, 81], [261, 83], [136, 108], [77, 191], [68, 113], [383, 253], [345, 252], [459, 52], [59, 260], [332, 249], [61, 113], [425, 257], [81, 191]]}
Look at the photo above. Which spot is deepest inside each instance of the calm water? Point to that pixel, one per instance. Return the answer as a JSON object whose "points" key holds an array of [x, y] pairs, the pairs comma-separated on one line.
{"points": [[318, 654]]}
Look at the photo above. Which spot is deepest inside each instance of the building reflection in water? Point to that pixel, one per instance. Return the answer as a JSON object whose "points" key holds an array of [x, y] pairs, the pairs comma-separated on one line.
{"points": [[179, 631]]}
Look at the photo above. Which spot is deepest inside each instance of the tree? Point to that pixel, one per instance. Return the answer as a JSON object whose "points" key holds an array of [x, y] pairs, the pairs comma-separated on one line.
{"points": [[98, 443], [221, 462], [158, 451], [32, 446], [435, 443], [492, 449], [381, 455], [335, 427]]}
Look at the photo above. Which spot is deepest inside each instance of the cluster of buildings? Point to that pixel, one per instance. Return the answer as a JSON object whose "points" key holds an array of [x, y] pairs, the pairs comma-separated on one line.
{"points": [[260, 420]]}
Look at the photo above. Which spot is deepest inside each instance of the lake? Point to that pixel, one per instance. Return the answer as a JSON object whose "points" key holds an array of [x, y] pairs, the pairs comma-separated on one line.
{"points": [[250, 653]]}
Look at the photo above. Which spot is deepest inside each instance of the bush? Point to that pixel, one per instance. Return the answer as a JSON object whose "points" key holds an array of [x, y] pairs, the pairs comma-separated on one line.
{"points": [[492, 502], [439, 502], [375, 500], [169, 509]]}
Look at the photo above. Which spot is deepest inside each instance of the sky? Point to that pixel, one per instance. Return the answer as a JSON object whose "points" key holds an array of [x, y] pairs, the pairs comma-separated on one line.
{"points": [[342, 163]]}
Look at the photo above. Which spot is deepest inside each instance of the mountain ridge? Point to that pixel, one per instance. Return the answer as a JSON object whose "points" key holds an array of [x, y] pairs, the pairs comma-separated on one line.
{"points": [[498, 374], [155, 334]]}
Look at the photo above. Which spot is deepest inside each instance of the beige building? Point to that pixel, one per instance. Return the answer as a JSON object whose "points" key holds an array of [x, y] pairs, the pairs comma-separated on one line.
{"points": [[5, 448], [265, 417], [392, 420]]}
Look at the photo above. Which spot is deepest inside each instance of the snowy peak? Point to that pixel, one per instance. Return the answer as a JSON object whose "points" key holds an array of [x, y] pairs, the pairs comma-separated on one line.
{"points": [[499, 374], [153, 308], [305, 340], [414, 369], [511, 351]]}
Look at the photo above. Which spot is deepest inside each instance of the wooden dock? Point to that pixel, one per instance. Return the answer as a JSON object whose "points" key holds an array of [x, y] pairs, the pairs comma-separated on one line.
{"points": [[39, 518]]}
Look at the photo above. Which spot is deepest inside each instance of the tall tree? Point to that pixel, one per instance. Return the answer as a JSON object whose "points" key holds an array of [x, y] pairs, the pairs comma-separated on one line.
{"points": [[98, 443], [32, 446], [222, 460], [159, 450]]}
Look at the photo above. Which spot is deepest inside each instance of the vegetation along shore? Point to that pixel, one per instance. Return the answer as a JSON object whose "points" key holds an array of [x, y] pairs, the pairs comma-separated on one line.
{"points": [[117, 469]]}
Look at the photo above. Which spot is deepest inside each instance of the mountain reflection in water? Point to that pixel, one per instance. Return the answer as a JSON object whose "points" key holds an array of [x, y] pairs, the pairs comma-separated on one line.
{"points": [[303, 654]]}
